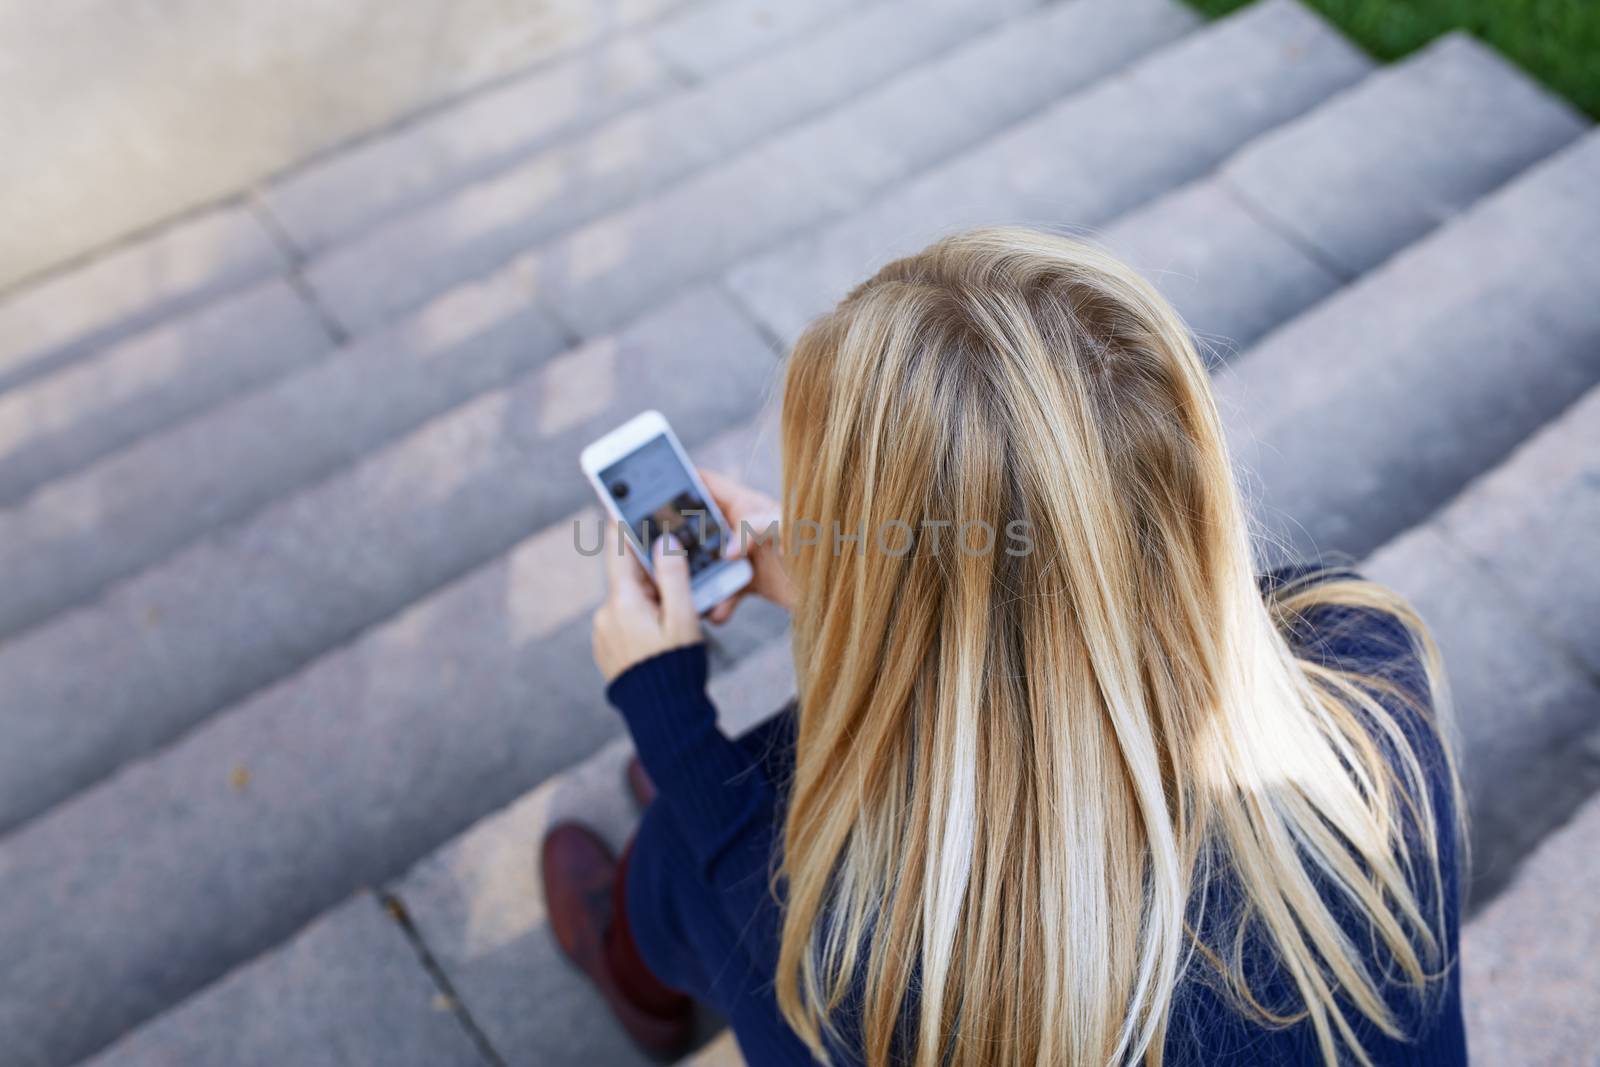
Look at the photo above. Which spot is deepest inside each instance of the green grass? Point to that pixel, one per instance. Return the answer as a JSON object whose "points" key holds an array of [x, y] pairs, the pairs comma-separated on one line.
{"points": [[1556, 41]]}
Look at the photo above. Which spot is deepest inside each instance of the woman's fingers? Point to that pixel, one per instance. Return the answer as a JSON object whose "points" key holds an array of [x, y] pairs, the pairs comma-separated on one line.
{"points": [[626, 579], [752, 515], [736, 500], [724, 611], [724, 494], [680, 622], [722, 487]]}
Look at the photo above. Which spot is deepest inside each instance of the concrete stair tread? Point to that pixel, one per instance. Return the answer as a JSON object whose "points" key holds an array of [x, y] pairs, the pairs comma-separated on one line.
{"points": [[1531, 960], [722, 1051], [61, 317], [1391, 423], [478, 904], [155, 284], [1451, 120], [96, 405], [75, 534], [1235, 269], [179, 366], [1503, 630], [1537, 529], [711, 38], [484, 224], [219, 466], [354, 943], [949, 108], [341, 194], [1133, 137], [347, 989], [1229, 275], [1517, 615], [618, 59]]}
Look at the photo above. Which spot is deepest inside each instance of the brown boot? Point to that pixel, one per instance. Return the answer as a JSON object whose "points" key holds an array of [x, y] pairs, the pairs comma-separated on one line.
{"points": [[639, 783], [581, 888]]}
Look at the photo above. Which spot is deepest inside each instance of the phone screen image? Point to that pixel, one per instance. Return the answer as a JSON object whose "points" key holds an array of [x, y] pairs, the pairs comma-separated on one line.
{"points": [[654, 495]]}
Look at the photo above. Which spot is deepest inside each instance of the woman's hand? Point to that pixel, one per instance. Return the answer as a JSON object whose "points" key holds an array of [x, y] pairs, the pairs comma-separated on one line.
{"points": [[742, 505], [639, 619]]}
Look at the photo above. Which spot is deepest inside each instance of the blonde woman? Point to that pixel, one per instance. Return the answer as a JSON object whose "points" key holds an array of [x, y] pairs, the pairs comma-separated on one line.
{"points": [[1067, 782]]}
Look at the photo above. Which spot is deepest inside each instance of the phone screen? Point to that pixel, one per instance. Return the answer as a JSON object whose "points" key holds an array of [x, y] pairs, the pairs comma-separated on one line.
{"points": [[654, 494]]}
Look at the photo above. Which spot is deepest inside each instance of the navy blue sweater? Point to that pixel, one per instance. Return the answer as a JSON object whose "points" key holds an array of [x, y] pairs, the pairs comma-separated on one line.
{"points": [[705, 921]]}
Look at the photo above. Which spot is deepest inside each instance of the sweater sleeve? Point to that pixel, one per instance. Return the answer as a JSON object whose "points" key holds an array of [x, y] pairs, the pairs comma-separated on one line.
{"points": [[720, 800]]}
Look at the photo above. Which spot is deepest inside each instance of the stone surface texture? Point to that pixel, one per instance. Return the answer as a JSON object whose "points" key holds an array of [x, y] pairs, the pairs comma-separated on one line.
{"points": [[295, 633]]}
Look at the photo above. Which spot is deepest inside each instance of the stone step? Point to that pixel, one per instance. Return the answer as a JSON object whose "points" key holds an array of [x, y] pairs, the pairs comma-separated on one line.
{"points": [[1454, 118], [1164, 121], [714, 37], [1400, 388], [63, 544], [190, 260], [1530, 966], [1504, 577], [1288, 217], [349, 989], [490, 935], [1131, 137], [341, 194], [58, 423], [66, 315], [337, 778], [148, 501], [1521, 634], [190, 361], [173, 488], [373, 278], [316, 568]]}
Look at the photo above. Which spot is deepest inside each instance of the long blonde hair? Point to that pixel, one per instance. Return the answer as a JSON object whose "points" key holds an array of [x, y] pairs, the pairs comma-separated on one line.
{"points": [[1017, 769]]}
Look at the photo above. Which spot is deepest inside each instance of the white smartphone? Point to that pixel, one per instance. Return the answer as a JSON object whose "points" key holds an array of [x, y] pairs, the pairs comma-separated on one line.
{"points": [[645, 479]]}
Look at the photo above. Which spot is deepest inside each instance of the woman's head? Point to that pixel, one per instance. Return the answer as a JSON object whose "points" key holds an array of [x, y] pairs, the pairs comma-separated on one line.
{"points": [[1038, 682]]}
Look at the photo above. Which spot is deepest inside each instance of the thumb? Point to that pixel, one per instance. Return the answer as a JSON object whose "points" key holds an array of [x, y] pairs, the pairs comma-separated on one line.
{"points": [[678, 618]]}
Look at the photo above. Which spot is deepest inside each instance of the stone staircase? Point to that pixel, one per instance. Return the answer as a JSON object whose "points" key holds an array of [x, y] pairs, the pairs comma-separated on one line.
{"points": [[295, 641]]}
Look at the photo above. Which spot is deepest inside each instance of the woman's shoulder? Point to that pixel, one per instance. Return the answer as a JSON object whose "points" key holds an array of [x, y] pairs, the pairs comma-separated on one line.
{"points": [[1337, 633], [1208, 1024], [1351, 635]]}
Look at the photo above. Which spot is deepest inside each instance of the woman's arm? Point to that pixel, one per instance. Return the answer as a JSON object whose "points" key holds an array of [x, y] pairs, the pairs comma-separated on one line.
{"points": [[648, 644], [717, 796]]}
